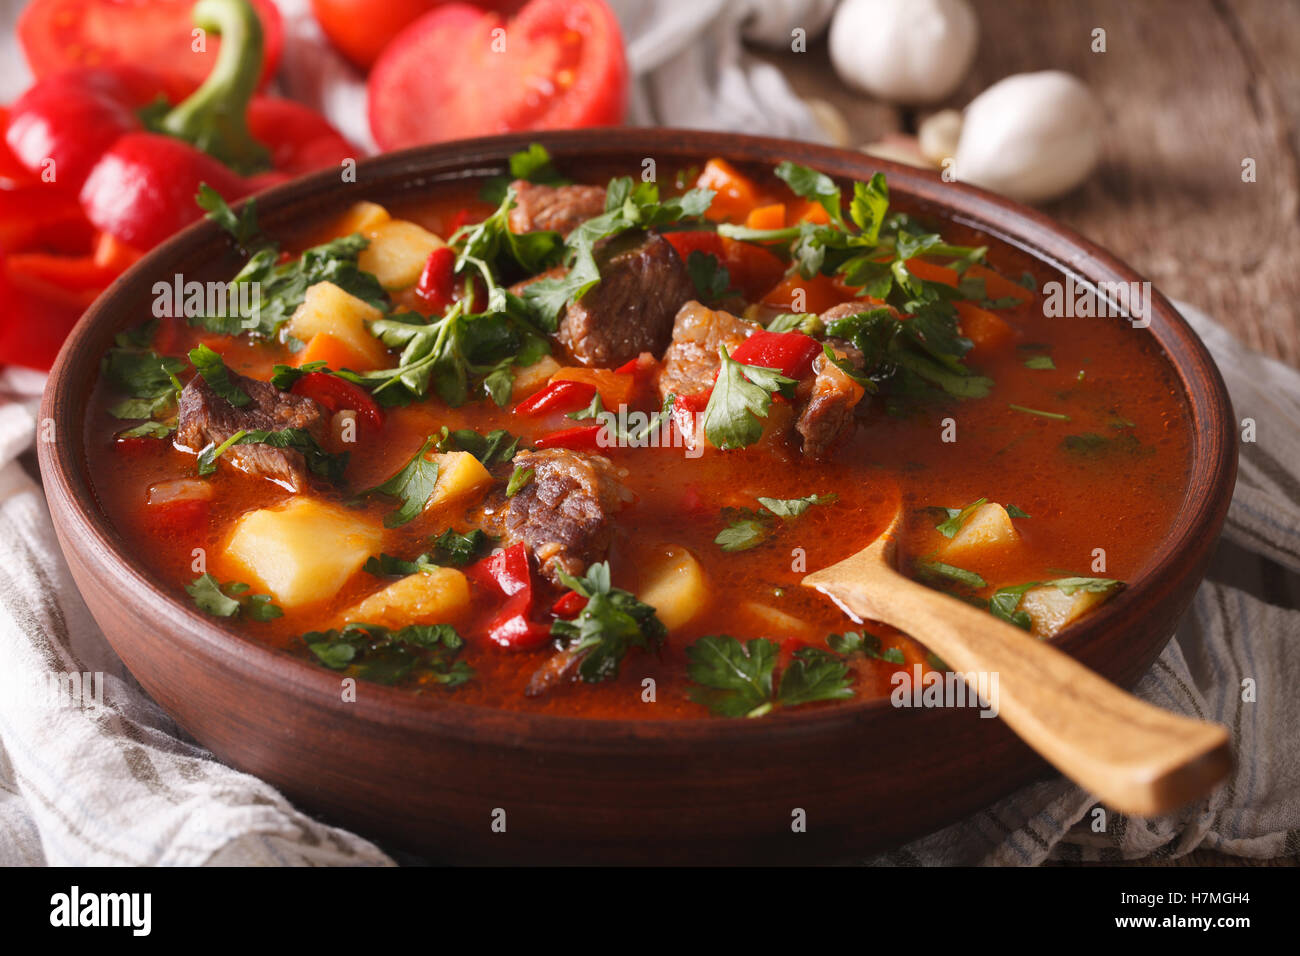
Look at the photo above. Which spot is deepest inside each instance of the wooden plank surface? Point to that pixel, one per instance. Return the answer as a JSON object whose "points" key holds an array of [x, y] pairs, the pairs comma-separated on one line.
{"points": [[1190, 88]]}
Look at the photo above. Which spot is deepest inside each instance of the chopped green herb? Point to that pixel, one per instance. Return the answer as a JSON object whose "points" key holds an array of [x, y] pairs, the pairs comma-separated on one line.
{"points": [[710, 277], [1015, 512], [956, 518], [532, 164], [1040, 362], [494, 448], [611, 623], [209, 597], [793, 507], [744, 533], [864, 643], [413, 485], [741, 396], [736, 680], [378, 654], [213, 369], [952, 573], [518, 480], [319, 461]]}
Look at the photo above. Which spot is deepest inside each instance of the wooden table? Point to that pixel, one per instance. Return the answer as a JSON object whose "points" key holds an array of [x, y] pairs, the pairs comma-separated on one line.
{"points": [[1190, 88]]}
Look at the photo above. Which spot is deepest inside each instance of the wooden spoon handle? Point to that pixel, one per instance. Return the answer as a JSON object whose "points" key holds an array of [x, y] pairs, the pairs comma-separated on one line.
{"points": [[1136, 758]]}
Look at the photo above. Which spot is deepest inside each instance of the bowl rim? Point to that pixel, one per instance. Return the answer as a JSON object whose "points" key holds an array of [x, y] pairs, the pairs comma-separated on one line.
{"points": [[1210, 479]]}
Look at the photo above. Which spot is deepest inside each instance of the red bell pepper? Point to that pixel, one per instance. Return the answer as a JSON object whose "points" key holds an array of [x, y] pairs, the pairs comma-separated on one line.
{"points": [[437, 285], [790, 353], [508, 574], [582, 438], [561, 396], [93, 153], [337, 394], [569, 605]]}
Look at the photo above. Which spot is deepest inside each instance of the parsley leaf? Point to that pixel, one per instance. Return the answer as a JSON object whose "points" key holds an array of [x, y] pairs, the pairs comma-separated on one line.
{"points": [[956, 518], [243, 228], [532, 164], [519, 479], [740, 397], [209, 597], [496, 447], [793, 507], [379, 654], [413, 484], [319, 461], [711, 279], [951, 572], [736, 680], [612, 622], [213, 369], [864, 643], [745, 532]]}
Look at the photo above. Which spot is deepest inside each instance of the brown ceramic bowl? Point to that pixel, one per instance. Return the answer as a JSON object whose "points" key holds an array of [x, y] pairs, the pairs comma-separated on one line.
{"points": [[428, 775]]}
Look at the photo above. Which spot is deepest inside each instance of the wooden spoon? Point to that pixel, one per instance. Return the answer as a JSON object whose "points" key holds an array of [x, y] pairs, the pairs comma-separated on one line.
{"points": [[1136, 758]]}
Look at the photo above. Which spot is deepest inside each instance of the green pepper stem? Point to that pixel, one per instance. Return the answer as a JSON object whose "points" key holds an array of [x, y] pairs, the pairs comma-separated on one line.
{"points": [[213, 116]]}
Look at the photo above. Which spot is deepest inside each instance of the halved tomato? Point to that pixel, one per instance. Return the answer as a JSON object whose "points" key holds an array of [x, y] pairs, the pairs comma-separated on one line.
{"points": [[460, 71], [60, 34]]}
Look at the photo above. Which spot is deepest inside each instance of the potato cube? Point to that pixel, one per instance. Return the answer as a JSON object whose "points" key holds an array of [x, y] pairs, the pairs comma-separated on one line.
{"points": [[361, 217], [460, 474], [530, 378], [1050, 609], [987, 529], [672, 582], [773, 622], [397, 252], [328, 309], [439, 596], [304, 551]]}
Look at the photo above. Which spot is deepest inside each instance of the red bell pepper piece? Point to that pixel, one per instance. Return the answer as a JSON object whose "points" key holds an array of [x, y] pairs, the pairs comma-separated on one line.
{"points": [[561, 396], [790, 353], [337, 394], [582, 438], [437, 285], [507, 571], [508, 574], [569, 605]]}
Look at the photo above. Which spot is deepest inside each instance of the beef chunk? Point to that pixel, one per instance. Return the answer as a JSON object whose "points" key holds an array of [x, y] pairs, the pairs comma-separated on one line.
{"points": [[692, 359], [204, 418], [563, 513], [642, 285], [828, 414], [554, 208]]}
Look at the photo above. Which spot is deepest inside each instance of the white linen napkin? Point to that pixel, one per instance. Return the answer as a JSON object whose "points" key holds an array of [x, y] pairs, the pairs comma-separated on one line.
{"points": [[115, 781]]}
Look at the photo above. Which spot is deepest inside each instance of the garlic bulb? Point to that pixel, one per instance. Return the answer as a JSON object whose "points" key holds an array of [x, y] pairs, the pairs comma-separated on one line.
{"points": [[771, 22], [904, 51], [1032, 136]]}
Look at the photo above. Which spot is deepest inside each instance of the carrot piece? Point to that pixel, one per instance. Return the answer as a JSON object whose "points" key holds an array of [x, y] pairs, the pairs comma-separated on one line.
{"points": [[334, 352], [988, 333], [819, 294], [615, 388], [932, 273], [807, 211], [735, 195], [771, 216], [998, 286]]}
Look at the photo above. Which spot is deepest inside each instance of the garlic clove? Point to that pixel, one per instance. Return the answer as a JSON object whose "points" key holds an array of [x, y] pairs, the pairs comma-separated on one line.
{"points": [[938, 135], [1031, 136], [904, 51]]}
